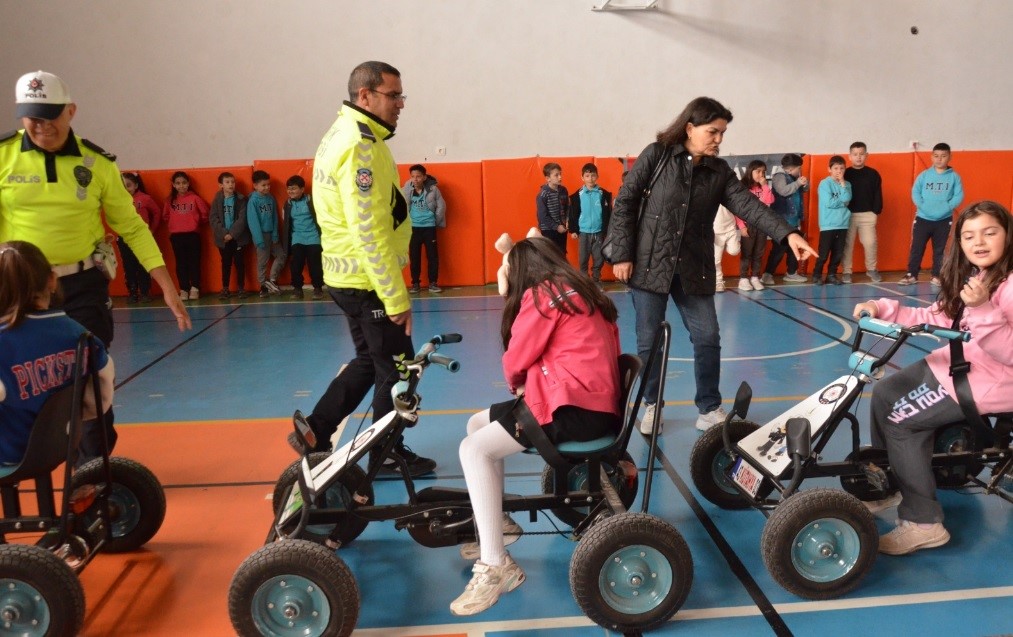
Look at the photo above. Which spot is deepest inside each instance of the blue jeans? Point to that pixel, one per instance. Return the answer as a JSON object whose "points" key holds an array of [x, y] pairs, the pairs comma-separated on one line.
{"points": [[701, 321]]}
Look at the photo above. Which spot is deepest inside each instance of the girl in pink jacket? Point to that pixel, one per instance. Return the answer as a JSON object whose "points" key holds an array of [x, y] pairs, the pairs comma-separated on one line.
{"points": [[185, 212], [754, 242], [562, 348], [908, 406]]}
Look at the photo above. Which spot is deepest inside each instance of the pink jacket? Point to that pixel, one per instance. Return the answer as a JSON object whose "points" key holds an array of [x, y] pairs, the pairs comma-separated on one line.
{"points": [[148, 209], [990, 350], [764, 194], [562, 359], [185, 213]]}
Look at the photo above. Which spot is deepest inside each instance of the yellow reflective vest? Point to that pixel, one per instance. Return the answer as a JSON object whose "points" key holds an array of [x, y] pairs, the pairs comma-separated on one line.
{"points": [[363, 217], [56, 200]]}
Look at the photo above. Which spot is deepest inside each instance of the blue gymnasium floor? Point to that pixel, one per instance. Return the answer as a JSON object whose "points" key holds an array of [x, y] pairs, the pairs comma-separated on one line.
{"points": [[263, 359]]}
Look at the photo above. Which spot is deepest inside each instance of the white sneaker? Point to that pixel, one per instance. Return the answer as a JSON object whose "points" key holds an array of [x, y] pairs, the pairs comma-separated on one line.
{"points": [[719, 285], [486, 585], [755, 282], [744, 285], [890, 501], [794, 278], [647, 422], [272, 287], [194, 294], [908, 537], [184, 295], [711, 418], [511, 533]]}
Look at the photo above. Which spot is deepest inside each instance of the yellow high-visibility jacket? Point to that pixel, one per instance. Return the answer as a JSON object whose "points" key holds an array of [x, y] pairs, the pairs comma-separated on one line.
{"points": [[363, 217]]}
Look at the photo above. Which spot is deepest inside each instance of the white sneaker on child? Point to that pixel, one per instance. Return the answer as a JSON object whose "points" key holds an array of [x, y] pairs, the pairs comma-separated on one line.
{"points": [[719, 285], [755, 282], [711, 418], [890, 501], [184, 295], [744, 285], [511, 533], [486, 585], [194, 294], [647, 422]]}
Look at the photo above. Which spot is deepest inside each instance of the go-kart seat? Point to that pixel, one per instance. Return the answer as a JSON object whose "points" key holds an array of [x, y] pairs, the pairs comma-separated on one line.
{"points": [[629, 368], [47, 443]]}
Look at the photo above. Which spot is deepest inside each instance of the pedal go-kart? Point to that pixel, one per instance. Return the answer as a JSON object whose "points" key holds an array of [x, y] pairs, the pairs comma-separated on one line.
{"points": [[108, 504], [631, 571], [819, 543]]}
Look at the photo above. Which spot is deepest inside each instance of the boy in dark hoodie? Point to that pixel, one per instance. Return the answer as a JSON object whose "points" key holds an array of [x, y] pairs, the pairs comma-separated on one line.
{"points": [[231, 232]]}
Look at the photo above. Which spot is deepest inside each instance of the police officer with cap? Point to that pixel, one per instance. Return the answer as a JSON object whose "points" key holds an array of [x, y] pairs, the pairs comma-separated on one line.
{"points": [[54, 188]]}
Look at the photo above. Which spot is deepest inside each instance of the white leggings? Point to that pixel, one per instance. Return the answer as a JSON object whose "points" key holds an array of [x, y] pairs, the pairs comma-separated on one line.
{"points": [[482, 452]]}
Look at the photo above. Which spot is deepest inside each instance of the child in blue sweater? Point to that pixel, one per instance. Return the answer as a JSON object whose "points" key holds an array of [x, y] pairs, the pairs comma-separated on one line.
{"points": [[303, 238], [262, 217], [936, 194], [835, 217]]}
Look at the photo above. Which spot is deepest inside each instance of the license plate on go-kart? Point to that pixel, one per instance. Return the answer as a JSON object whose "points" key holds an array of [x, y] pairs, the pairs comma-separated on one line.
{"points": [[747, 477]]}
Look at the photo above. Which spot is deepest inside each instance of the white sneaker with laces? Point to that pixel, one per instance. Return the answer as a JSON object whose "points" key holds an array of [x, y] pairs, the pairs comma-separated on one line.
{"points": [[511, 533], [711, 418], [719, 285], [647, 422], [755, 282], [194, 294], [744, 285], [486, 585], [889, 502], [184, 295], [908, 537]]}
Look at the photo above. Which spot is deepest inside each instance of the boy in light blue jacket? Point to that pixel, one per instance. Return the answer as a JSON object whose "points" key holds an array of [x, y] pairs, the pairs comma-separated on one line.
{"points": [[835, 217], [262, 217], [936, 194]]}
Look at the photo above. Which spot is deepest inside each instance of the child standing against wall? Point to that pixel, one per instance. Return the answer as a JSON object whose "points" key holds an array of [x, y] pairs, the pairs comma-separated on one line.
{"points": [[590, 209], [835, 217], [552, 206], [137, 278], [303, 238], [754, 242], [726, 238], [788, 186], [936, 194], [185, 211], [265, 228], [231, 232]]}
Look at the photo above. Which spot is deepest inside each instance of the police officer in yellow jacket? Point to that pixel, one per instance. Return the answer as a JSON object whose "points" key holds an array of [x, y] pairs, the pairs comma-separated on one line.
{"points": [[365, 230], [54, 189]]}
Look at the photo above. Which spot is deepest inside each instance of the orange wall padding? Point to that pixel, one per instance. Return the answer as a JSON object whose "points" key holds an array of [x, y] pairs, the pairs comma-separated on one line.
{"points": [[488, 198]]}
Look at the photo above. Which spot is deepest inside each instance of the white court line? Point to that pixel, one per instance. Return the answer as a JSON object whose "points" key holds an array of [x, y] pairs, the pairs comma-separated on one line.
{"points": [[479, 629], [895, 291], [846, 336]]}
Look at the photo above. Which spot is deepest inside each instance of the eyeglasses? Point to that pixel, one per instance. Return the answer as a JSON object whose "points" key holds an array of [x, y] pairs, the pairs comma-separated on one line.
{"points": [[397, 97]]}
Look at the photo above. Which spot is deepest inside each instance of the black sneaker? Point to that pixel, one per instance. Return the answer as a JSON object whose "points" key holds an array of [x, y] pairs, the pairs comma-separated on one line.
{"points": [[297, 446], [417, 465], [414, 289]]}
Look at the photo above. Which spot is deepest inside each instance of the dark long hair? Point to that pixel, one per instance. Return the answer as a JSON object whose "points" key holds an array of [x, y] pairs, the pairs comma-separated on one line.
{"points": [[136, 178], [956, 267], [698, 112], [24, 276], [747, 178], [537, 263], [179, 173]]}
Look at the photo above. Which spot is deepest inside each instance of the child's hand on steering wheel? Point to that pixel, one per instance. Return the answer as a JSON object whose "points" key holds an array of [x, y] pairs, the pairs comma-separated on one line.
{"points": [[868, 307]]}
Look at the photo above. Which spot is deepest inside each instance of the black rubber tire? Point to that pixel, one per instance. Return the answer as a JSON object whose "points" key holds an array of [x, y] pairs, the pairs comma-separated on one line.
{"points": [[798, 518], [612, 540], [137, 498], [352, 526], [706, 462], [60, 592], [332, 585], [575, 515]]}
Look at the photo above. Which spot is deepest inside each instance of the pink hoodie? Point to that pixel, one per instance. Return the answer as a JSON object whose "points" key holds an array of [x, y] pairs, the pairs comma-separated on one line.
{"points": [[185, 213]]}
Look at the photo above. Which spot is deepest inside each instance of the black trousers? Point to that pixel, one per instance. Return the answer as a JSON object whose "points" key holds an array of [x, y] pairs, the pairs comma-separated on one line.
{"points": [[922, 232], [832, 246], [777, 252], [377, 341], [186, 248], [423, 237], [137, 278], [233, 253], [307, 255], [86, 300]]}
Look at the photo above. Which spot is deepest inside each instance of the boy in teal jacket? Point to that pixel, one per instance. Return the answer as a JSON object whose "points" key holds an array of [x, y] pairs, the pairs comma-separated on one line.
{"points": [[265, 227], [835, 217], [936, 194]]}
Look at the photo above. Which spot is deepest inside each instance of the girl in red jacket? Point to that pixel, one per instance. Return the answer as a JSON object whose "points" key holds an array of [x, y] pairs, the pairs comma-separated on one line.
{"points": [[562, 346], [184, 211], [138, 279]]}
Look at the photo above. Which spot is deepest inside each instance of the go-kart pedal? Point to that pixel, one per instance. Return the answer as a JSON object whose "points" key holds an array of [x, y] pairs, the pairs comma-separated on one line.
{"points": [[417, 465], [876, 476]]}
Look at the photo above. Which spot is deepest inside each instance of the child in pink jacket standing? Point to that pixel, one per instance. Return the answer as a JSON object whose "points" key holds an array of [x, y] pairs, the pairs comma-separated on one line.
{"points": [[562, 352], [910, 405], [185, 211], [754, 242]]}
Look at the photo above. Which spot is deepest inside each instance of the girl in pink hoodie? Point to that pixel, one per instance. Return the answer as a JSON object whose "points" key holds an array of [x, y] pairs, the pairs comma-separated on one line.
{"points": [[754, 242], [185, 211], [910, 405]]}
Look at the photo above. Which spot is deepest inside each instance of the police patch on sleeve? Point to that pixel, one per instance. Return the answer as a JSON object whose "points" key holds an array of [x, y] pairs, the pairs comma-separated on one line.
{"points": [[364, 179]]}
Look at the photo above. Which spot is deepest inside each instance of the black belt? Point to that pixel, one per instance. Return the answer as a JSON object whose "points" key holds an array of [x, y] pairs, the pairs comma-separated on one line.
{"points": [[353, 291]]}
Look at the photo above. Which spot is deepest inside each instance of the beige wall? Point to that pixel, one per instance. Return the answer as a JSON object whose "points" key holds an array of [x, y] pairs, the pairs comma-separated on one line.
{"points": [[223, 82]]}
